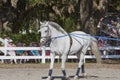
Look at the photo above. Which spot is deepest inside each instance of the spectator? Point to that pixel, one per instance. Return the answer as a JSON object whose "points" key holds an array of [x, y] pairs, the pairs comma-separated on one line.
{"points": [[100, 43], [35, 52], [12, 52], [21, 52], [5, 38]]}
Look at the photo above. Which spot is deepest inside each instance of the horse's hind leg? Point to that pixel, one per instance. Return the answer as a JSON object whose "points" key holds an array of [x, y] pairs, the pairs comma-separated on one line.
{"points": [[80, 66], [83, 70]]}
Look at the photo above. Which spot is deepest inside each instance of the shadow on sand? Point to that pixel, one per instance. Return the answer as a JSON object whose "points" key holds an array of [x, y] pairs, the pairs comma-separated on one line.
{"points": [[71, 77]]}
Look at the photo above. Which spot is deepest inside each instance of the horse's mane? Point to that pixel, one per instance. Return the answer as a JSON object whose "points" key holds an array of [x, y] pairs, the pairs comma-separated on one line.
{"points": [[57, 27]]}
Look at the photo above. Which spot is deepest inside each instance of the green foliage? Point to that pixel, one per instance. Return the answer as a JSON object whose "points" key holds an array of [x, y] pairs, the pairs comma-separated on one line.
{"points": [[69, 24], [24, 38], [64, 12], [115, 4], [33, 3]]}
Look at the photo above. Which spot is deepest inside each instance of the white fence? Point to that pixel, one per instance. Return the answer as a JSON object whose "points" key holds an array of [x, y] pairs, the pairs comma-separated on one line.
{"points": [[44, 57]]}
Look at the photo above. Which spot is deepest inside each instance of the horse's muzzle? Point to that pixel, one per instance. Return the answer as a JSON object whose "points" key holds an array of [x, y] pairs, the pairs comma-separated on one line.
{"points": [[42, 43]]}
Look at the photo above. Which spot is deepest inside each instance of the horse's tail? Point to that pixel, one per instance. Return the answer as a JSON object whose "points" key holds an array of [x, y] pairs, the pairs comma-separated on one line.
{"points": [[95, 50]]}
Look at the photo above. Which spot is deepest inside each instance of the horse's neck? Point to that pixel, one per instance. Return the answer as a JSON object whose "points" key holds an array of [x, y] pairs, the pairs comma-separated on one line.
{"points": [[56, 33], [56, 39]]}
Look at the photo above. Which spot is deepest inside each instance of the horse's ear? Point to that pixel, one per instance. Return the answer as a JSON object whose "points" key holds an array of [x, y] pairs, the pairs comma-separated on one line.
{"points": [[41, 22], [39, 31]]}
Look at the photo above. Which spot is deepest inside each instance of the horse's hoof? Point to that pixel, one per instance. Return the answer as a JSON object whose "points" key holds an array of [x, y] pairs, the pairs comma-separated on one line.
{"points": [[67, 78], [75, 78], [49, 78]]}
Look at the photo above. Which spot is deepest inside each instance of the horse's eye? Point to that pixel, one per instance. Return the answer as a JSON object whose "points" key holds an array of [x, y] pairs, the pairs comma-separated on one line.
{"points": [[46, 31]]}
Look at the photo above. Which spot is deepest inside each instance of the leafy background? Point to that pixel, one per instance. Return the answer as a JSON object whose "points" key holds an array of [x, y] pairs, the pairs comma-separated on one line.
{"points": [[17, 16]]}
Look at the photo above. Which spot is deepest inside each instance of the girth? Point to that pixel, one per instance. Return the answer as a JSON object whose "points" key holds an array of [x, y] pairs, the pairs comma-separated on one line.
{"points": [[71, 42]]}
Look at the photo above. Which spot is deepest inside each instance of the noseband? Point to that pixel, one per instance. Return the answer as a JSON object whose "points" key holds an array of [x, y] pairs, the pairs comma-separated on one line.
{"points": [[47, 39]]}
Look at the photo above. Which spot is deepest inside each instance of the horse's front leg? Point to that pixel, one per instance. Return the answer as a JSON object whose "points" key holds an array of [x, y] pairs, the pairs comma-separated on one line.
{"points": [[64, 57], [51, 66]]}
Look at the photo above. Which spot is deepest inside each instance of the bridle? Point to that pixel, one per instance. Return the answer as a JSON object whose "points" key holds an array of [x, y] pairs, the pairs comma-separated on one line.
{"points": [[46, 38]]}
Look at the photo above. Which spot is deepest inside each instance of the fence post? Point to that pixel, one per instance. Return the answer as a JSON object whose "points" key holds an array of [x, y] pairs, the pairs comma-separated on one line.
{"points": [[43, 54], [6, 43]]}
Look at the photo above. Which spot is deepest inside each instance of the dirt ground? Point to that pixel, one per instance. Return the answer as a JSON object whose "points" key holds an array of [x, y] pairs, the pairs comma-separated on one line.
{"points": [[39, 71]]}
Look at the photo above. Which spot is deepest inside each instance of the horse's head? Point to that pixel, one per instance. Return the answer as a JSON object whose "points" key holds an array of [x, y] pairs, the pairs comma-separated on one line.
{"points": [[45, 32]]}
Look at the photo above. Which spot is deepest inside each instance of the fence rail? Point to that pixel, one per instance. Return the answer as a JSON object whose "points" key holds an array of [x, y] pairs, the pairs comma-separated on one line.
{"points": [[43, 57]]}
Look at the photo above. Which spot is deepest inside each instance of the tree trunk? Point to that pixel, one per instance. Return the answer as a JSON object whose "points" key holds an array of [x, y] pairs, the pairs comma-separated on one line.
{"points": [[90, 13]]}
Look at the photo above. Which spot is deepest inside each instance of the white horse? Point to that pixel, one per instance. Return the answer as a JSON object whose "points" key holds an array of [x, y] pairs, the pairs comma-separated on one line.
{"points": [[64, 44]]}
